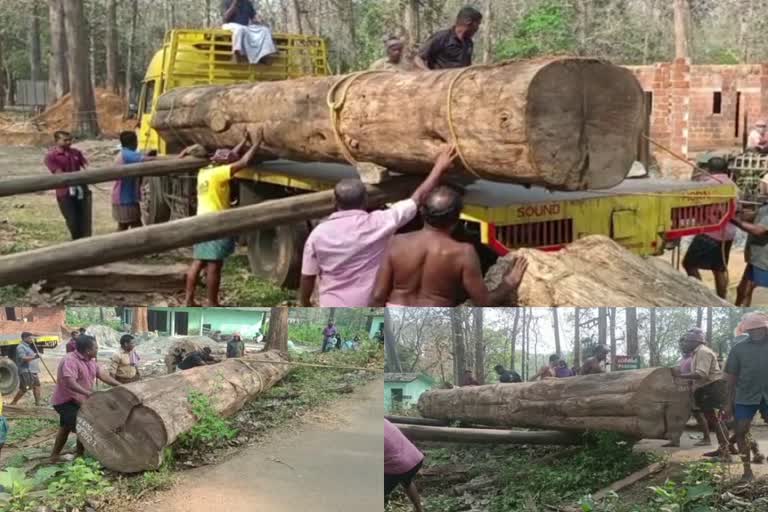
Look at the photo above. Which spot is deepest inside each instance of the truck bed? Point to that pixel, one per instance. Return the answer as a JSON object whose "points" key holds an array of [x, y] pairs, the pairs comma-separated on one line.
{"points": [[483, 193]]}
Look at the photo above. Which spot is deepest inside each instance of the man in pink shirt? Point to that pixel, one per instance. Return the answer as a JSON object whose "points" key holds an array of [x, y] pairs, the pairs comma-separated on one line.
{"points": [[710, 251], [402, 461], [75, 378], [344, 252]]}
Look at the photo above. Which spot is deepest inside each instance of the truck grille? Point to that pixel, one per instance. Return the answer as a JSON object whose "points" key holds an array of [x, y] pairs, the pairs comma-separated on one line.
{"points": [[686, 217], [536, 234]]}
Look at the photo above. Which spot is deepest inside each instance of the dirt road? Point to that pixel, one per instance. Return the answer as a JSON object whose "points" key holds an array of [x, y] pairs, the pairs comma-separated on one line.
{"points": [[333, 464]]}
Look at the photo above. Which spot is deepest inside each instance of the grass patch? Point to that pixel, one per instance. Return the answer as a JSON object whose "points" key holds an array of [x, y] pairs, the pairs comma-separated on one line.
{"points": [[243, 289], [21, 429]]}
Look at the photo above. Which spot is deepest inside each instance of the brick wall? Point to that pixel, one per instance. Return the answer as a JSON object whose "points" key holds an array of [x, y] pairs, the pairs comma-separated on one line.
{"points": [[35, 320], [687, 117]]}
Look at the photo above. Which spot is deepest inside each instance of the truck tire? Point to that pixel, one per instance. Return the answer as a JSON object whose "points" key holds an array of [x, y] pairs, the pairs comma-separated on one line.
{"points": [[154, 209], [9, 376]]}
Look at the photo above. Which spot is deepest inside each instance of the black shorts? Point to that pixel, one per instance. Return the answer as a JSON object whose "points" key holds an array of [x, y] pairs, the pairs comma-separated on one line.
{"points": [[706, 253], [68, 414], [392, 481], [711, 397], [28, 381]]}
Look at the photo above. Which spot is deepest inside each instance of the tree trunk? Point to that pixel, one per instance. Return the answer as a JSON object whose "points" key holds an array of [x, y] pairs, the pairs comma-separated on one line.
{"points": [[111, 47], [645, 403], [58, 67], [602, 326], [207, 13], [682, 35], [131, 46], [90, 28], [556, 328], [633, 347], [294, 17], [488, 32], [576, 338], [709, 327], [35, 55], [513, 336], [2, 76], [512, 107], [478, 435], [597, 271], [392, 362], [612, 332], [331, 315], [699, 317], [459, 349], [652, 341], [477, 328], [84, 122], [139, 323], [412, 22], [101, 315], [277, 335], [523, 343], [127, 428]]}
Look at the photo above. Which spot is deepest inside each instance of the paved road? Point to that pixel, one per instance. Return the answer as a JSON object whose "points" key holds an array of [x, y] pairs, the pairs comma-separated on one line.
{"points": [[330, 466]]}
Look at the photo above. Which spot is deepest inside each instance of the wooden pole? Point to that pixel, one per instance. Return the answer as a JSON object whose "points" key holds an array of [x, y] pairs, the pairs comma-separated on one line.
{"points": [[413, 420], [475, 435], [35, 265], [29, 184], [34, 345]]}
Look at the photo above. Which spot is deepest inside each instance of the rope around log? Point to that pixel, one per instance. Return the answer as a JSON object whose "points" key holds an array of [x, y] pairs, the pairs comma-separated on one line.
{"points": [[335, 106], [452, 126], [313, 365]]}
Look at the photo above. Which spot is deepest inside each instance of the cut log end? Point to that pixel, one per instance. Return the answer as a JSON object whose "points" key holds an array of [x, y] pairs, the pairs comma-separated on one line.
{"points": [[584, 118]]}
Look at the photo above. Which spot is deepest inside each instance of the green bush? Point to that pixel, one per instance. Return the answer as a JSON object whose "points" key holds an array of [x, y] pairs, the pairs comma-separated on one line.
{"points": [[77, 485], [210, 428]]}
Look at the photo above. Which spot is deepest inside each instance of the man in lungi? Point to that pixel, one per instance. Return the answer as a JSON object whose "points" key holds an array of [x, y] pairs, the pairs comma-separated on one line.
{"points": [[251, 39], [213, 195]]}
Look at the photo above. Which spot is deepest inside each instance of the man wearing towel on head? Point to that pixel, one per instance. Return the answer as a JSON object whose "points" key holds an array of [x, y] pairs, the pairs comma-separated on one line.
{"points": [[395, 60], [251, 39]]}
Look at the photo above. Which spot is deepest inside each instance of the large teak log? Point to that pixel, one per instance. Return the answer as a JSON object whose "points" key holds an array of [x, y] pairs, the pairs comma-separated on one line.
{"points": [[647, 403], [561, 123], [477, 435], [127, 428], [596, 271]]}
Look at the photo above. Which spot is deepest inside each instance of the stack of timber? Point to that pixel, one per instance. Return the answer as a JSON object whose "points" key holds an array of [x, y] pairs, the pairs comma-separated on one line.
{"points": [[648, 403], [596, 271], [128, 427], [562, 123]]}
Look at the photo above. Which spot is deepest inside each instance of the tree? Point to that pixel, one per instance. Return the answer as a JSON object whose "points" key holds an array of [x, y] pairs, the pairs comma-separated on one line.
{"points": [[653, 346], [576, 339], [488, 35], [392, 361], [682, 16], [513, 338], [633, 347], [84, 122], [699, 317], [131, 47], [35, 54], [331, 315], [709, 326], [139, 321], [602, 326], [612, 332], [459, 356], [477, 328], [412, 22], [556, 329], [111, 47], [277, 334], [58, 67]]}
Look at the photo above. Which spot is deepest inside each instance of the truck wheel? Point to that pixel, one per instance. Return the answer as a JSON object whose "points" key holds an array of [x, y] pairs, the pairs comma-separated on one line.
{"points": [[154, 209], [9, 376], [276, 253]]}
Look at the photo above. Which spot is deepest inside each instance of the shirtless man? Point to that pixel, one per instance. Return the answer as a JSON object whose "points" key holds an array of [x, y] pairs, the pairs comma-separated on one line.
{"points": [[593, 364], [429, 268]]}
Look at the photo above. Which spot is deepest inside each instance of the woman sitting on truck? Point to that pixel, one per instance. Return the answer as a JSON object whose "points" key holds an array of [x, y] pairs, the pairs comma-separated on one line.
{"points": [[251, 38]]}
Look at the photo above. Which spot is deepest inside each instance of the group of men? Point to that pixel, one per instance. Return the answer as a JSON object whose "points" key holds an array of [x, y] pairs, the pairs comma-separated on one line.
{"points": [[332, 340]]}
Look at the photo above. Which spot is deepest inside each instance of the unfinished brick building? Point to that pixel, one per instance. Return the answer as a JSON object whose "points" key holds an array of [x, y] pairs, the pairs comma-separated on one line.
{"points": [[697, 108], [35, 320]]}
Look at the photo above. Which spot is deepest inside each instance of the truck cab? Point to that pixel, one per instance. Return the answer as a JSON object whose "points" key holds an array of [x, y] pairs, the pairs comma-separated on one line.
{"points": [[644, 215], [9, 376]]}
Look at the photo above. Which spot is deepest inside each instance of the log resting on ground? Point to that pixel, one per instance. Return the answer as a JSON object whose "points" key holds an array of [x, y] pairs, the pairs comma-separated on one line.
{"points": [[596, 271], [128, 427], [123, 277], [647, 403], [561, 123], [475, 435]]}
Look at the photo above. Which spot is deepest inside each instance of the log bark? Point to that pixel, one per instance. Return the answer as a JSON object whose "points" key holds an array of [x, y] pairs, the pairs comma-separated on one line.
{"points": [[39, 183], [476, 435], [596, 271], [31, 266], [562, 123], [123, 277], [646, 403], [128, 427]]}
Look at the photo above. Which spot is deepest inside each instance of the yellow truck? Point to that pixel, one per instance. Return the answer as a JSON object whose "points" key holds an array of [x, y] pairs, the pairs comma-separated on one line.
{"points": [[645, 215], [9, 376]]}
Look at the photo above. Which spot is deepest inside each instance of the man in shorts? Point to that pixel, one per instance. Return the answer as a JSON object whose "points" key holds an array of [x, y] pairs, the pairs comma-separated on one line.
{"points": [[27, 361], [402, 461], [748, 381]]}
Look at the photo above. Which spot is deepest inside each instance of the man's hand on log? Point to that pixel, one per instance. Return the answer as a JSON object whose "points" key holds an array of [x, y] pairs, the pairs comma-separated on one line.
{"points": [[516, 272], [445, 159]]}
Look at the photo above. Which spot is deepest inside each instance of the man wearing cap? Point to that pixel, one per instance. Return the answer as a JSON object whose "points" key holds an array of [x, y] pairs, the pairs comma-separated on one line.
{"points": [[711, 251], [213, 195], [29, 368], [707, 381], [757, 140], [747, 378], [394, 61]]}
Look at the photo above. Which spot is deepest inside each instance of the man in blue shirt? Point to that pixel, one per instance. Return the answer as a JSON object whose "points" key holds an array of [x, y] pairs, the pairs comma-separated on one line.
{"points": [[126, 193], [29, 368]]}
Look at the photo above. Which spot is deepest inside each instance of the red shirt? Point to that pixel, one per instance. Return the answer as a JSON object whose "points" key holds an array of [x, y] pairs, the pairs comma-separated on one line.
{"points": [[59, 160], [75, 366]]}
